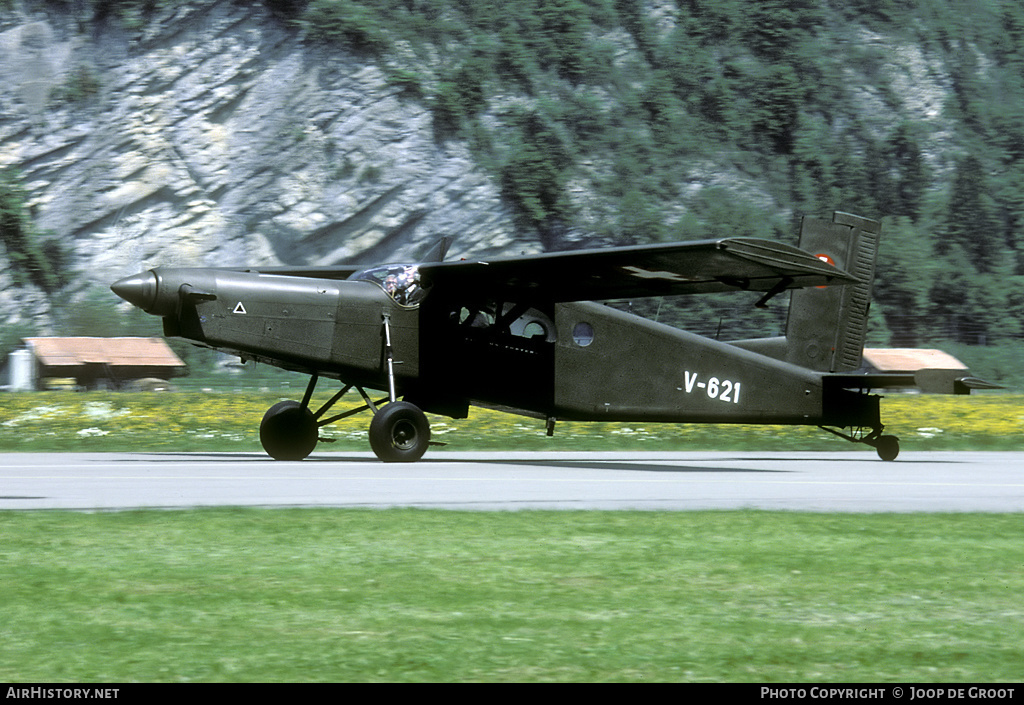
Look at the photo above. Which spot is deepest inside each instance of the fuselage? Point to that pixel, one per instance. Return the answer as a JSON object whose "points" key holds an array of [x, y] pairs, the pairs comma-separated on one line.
{"points": [[574, 361]]}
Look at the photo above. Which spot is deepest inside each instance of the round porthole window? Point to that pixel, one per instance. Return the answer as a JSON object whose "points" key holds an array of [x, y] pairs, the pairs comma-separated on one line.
{"points": [[583, 334]]}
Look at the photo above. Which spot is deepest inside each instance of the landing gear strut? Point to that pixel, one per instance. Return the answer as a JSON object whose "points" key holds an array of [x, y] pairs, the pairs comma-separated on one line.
{"points": [[399, 431], [887, 447]]}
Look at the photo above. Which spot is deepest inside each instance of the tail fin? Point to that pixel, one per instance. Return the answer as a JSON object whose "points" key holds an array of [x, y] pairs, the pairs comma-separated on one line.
{"points": [[827, 326]]}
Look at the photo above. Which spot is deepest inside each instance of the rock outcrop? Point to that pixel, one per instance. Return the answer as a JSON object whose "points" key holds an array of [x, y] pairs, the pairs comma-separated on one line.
{"points": [[216, 136]]}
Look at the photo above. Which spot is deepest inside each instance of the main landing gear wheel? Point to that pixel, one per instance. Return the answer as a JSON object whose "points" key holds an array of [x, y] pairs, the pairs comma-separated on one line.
{"points": [[288, 431], [399, 433], [887, 447]]}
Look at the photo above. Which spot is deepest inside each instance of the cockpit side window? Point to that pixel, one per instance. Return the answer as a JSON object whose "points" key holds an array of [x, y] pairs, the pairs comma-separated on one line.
{"points": [[401, 282]]}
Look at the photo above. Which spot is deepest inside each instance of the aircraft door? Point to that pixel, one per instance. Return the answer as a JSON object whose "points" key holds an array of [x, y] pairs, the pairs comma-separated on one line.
{"points": [[494, 352]]}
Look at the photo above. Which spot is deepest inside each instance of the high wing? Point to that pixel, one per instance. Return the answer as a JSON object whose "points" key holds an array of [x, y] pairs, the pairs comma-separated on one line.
{"points": [[698, 267]]}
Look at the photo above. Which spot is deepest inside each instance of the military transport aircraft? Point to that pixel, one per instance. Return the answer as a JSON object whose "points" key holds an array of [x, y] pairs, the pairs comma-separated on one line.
{"points": [[523, 334]]}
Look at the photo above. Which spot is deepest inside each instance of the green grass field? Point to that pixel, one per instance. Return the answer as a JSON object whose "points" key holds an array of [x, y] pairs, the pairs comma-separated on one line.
{"points": [[407, 595], [109, 421]]}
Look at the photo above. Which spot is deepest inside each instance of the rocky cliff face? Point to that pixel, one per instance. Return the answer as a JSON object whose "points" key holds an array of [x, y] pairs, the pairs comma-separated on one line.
{"points": [[152, 132], [215, 136]]}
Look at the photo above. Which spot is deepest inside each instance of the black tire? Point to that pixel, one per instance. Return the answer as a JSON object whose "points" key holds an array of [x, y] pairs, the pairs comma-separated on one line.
{"points": [[888, 447], [399, 433], [288, 431]]}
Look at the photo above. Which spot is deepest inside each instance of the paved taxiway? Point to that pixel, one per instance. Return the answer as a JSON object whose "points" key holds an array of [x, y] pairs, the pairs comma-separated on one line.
{"points": [[833, 482]]}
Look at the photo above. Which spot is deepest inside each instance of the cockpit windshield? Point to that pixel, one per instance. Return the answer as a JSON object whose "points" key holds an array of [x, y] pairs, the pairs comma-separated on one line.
{"points": [[400, 281]]}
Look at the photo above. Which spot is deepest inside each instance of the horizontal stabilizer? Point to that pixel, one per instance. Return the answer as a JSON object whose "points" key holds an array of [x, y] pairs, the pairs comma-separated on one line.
{"points": [[950, 382], [975, 383], [929, 381]]}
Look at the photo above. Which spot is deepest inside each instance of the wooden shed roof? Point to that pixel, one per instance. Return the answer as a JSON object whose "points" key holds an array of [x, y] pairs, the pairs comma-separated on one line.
{"points": [[910, 359], [116, 352]]}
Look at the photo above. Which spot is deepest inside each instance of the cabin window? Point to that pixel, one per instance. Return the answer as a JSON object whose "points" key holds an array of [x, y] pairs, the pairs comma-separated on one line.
{"points": [[583, 334]]}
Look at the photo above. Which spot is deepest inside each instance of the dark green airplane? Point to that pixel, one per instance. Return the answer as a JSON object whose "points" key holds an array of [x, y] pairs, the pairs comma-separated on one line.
{"points": [[522, 334]]}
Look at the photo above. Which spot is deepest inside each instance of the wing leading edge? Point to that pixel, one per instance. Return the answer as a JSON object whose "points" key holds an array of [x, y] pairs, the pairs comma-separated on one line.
{"points": [[699, 267]]}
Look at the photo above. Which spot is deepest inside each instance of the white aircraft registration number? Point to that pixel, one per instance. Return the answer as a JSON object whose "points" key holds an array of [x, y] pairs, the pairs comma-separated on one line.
{"points": [[720, 389]]}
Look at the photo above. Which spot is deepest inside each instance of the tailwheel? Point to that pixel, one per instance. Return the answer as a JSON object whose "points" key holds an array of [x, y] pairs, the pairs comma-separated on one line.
{"points": [[288, 431], [887, 447], [399, 432]]}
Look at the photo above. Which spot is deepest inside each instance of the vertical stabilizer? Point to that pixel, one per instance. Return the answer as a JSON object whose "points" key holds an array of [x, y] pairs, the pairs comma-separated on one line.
{"points": [[827, 326]]}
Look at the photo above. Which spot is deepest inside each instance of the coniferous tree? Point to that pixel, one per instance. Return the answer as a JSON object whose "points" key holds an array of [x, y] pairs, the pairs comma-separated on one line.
{"points": [[970, 221]]}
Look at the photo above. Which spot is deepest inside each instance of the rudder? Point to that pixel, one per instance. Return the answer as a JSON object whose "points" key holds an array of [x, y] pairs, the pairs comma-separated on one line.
{"points": [[827, 326]]}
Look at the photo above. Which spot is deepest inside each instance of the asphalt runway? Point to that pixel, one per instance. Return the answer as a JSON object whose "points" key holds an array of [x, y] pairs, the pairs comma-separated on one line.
{"points": [[829, 482]]}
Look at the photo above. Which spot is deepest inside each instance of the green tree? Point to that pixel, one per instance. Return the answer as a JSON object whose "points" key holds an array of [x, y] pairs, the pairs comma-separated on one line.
{"points": [[912, 173], [777, 101], [1010, 197], [11, 335], [33, 260], [348, 24], [564, 24], [534, 176], [814, 175], [906, 272], [970, 220], [776, 28], [460, 95]]}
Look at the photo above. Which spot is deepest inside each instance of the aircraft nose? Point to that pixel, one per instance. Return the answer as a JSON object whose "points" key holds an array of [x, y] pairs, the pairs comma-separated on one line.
{"points": [[138, 290]]}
